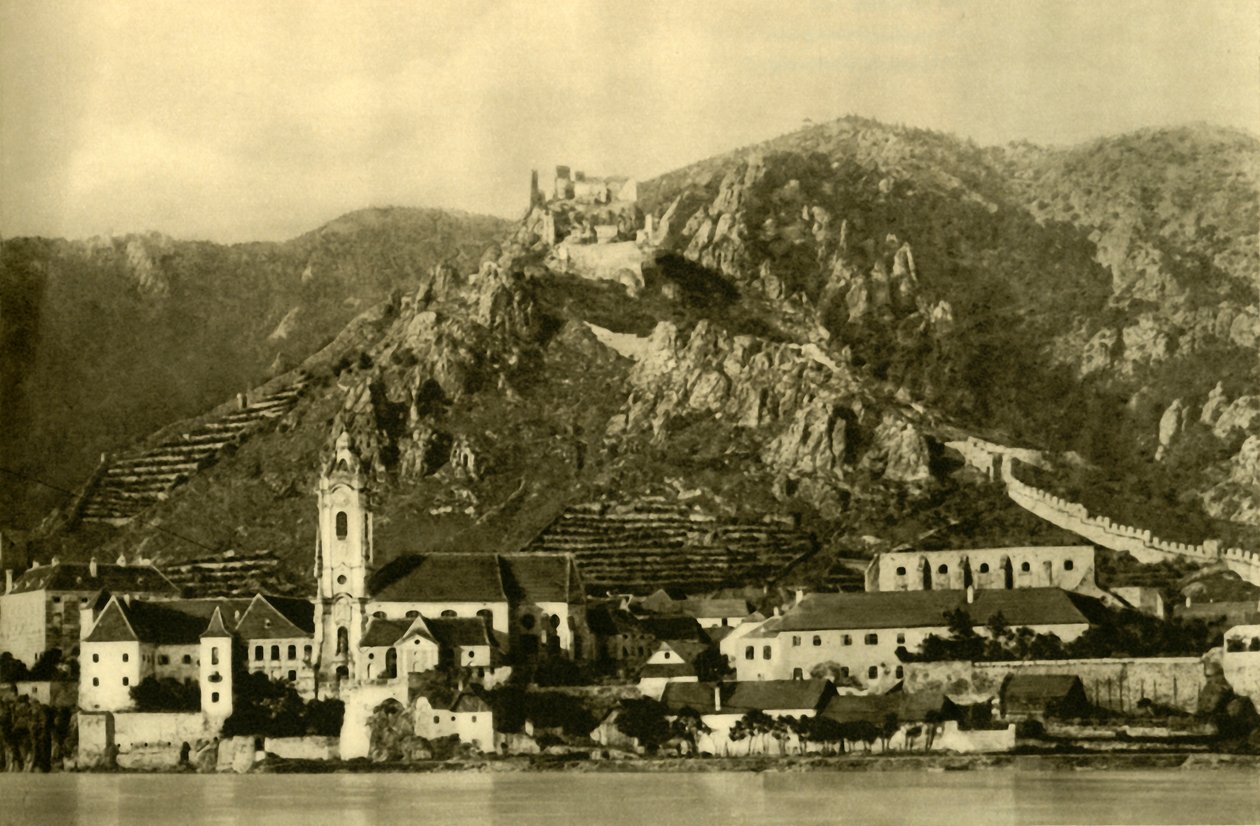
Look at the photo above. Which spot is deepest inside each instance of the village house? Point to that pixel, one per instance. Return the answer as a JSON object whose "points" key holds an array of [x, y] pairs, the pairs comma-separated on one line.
{"points": [[1039, 696], [671, 662], [525, 605], [466, 716], [858, 634], [128, 640], [708, 612], [40, 609], [1069, 567], [392, 649], [722, 705]]}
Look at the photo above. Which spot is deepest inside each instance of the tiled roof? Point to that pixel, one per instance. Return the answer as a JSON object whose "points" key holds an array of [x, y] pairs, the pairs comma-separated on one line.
{"points": [[673, 628], [687, 650], [671, 670], [461, 631], [926, 609], [270, 618], [460, 577], [149, 622], [1031, 689], [608, 620], [77, 576], [383, 632], [875, 708], [540, 577]]}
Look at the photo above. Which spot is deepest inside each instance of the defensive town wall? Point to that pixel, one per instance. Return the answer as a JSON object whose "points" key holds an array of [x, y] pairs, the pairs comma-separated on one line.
{"points": [[139, 740], [1000, 462], [1118, 684]]}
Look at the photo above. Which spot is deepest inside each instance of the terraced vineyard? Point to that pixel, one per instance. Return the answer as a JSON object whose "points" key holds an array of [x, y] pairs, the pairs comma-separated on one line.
{"points": [[655, 543], [229, 574], [126, 484]]}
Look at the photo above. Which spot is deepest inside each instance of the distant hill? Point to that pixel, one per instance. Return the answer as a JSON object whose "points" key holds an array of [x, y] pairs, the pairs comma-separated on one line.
{"points": [[106, 340], [825, 311]]}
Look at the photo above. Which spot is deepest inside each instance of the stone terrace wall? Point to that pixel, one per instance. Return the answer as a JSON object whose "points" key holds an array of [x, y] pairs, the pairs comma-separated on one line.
{"points": [[1116, 684], [1075, 517]]}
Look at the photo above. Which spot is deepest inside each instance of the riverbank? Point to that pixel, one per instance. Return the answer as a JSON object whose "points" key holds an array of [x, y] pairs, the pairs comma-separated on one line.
{"points": [[791, 763]]}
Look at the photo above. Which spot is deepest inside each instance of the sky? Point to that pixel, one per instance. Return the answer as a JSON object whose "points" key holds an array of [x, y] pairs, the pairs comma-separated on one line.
{"points": [[235, 121]]}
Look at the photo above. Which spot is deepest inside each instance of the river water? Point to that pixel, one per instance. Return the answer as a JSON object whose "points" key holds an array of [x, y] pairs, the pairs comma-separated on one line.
{"points": [[728, 798]]}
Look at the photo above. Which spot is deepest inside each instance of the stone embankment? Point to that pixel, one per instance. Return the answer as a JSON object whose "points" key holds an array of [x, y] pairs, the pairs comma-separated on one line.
{"points": [[654, 543], [1000, 462], [126, 484]]}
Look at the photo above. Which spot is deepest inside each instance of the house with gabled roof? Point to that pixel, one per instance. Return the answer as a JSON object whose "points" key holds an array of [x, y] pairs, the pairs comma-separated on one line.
{"points": [[720, 706], [40, 609], [465, 715]]}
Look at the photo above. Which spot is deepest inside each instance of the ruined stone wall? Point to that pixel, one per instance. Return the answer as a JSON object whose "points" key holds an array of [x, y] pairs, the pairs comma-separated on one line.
{"points": [[1069, 567], [1117, 684], [1075, 517]]}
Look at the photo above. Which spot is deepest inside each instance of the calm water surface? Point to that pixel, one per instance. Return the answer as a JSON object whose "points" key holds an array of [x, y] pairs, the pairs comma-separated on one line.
{"points": [[997, 797]]}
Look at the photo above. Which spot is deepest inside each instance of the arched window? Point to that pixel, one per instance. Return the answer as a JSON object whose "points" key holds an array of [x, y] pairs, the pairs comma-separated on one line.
{"points": [[306, 653], [872, 672], [555, 621], [817, 640], [391, 663], [343, 525], [486, 614], [412, 614], [275, 652], [527, 621], [258, 652], [1025, 567], [448, 613], [293, 652], [343, 640], [214, 655]]}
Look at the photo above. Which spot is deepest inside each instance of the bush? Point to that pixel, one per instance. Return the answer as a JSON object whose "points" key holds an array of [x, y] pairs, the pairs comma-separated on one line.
{"points": [[270, 708], [167, 694]]}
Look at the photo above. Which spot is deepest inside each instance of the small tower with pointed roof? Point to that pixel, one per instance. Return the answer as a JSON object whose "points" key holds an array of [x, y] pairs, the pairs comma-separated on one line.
{"points": [[216, 671], [343, 559]]}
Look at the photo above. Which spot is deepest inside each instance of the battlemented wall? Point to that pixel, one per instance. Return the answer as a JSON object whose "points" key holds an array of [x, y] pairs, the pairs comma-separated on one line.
{"points": [[1069, 567], [1117, 683], [991, 458]]}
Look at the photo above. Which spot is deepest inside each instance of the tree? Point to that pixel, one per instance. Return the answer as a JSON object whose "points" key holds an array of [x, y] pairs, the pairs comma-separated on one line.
{"points": [[826, 731], [758, 724], [711, 666], [888, 728], [644, 719], [167, 694], [689, 725]]}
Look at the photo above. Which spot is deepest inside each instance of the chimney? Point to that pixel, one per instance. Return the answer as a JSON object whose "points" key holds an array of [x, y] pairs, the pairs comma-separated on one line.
{"points": [[799, 595], [8, 580], [92, 567], [777, 610], [717, 696], [56, 560], [241, 401], [971, 594]]}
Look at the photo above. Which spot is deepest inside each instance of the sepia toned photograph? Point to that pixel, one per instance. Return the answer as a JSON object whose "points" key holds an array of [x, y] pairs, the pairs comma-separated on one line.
{"points": [[726, 412]]}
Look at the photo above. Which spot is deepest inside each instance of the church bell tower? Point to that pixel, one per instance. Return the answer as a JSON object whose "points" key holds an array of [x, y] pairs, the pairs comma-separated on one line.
{"points": [[343, 558]]}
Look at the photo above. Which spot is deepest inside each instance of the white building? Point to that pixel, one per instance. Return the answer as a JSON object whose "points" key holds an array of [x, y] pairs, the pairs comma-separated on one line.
{"points": [[467, 716], [1070, 567], [721, 705], [858, 634]]}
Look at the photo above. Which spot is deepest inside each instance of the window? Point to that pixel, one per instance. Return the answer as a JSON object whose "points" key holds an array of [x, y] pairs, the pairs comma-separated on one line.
{"points": [[817, 640], [555, 621], [765, 652], [798, 674], [292, 652], [258, 652], [126, 681], [448, 613], [984, 567], [750, 653], [470, 655], [96, 681], [901, 570], [796, 640], [474, 718], [625, 652], [872, 672], [527, 621], [293, 676], [214, 655], [379, 614], [666, 653], [96, 658], [872, 639], [187, 660], [341, 580], [847, 639], [900, 672], [412, 614], [1067, 564], [487, 614], [343, 525], [901, 639], [126, 657], [343, 640], [163, 659], [944, 569], [214, 696], [1025, 567], [275, 652], [436, 719]]}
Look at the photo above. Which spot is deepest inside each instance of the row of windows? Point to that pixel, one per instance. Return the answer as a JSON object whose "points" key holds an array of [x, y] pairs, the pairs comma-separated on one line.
{"points": [[1025, 567], [96, 681], [846, 639], [275, 652], [872, 673], [438, 719]]}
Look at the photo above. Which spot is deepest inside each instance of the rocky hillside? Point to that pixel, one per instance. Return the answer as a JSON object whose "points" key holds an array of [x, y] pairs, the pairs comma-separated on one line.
{"points": [[770, 402], [108, 339]]}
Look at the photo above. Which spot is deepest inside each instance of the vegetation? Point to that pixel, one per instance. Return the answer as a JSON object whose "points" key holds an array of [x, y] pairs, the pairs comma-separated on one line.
{"points": [[167, 694], [273, 708]]}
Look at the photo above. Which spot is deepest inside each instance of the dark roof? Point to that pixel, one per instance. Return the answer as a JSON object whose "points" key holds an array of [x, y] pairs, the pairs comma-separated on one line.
{"points": [[714, 608], [383, 632], [215, 628], [875, 708], [673, 628], [440, 578], [148, 622], [540, 577], [461, 631], [918, 609], [608, 621], [749, 695], [688, 650], [1038, 689], [474, 577], [468, 701], [269, 618], [77, 576], [682, 669]]}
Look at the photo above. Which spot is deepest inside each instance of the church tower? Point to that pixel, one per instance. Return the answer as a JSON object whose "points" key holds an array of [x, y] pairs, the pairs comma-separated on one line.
{"points": [[343, 559]]}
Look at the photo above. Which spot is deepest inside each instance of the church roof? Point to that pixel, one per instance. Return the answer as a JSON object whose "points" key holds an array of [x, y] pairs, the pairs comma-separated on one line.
{"points": [[474, 577], [383, 632], [460, 631]]}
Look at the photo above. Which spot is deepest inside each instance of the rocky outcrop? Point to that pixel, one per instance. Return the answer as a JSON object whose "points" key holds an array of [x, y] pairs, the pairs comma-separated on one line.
{"points": [[1170, 426], [900, 452]]}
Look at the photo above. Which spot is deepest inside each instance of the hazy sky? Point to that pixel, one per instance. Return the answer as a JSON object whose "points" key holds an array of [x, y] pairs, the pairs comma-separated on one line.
{"points": [[261, 120]]}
